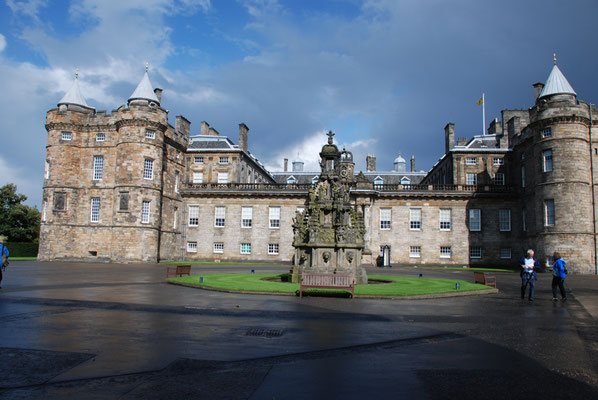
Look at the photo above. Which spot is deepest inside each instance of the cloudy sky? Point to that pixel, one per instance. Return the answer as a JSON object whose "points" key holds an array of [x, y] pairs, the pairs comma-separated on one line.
{"points": [[385, 75]]}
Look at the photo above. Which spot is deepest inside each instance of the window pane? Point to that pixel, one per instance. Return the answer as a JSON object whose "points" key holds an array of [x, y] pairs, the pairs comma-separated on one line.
{"points": [[274, 217], [549, 213], [415, 251], [547, 160], [415, 218], [504, 220], [246, 217], [218, 247], [95, 209], [273, 248], [193, 215], [198, 177], [471, 179], [145, 212], [98, 165], [222, 177], [192, 247], [385, 221], [445, 219], [475, 219], [148, 169], [445, 251], [475, 252], [219, 216], [245, 248]]}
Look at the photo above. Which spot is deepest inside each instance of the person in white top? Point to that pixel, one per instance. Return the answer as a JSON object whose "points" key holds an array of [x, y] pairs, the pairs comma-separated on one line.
{"points": [[529, 265]]}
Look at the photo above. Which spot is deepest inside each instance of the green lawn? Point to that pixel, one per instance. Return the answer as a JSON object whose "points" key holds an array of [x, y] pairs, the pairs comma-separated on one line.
{"points": [[21, 259], [401, 286]]}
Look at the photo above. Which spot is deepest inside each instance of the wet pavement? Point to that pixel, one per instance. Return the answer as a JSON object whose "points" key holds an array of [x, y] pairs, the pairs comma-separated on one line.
{"points": [[118, 331]]}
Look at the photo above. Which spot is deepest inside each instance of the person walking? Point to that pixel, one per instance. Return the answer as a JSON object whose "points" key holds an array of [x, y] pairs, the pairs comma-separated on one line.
{"points": [[559, 273], [3, 257], [529, 265]]}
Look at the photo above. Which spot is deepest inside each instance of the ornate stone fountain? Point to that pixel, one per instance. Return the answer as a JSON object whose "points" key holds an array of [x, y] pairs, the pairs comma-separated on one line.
{"points": [[329, 232]]}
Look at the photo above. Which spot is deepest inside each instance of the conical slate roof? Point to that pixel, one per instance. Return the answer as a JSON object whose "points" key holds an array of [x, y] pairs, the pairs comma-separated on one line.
{"points": [[74, 96], [144, 90], [557, 84]]}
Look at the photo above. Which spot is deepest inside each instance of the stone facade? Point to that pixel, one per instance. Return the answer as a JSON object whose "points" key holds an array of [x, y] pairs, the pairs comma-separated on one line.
{"points": [[526, 183]]}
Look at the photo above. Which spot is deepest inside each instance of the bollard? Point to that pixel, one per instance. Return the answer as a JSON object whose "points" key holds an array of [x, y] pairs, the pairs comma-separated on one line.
{"points": [[457, 285], [421, 275], [201, 279], [253, 271]]}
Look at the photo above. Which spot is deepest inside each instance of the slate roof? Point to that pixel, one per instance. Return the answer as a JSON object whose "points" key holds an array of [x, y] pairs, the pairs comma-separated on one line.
{"points": [[388, 177], [144, 90], [556, 84], [74, 95]]}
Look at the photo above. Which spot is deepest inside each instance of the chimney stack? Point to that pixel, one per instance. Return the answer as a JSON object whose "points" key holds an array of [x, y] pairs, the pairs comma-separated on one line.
{"points": [[412, 163], [158, 93], [183, 126], [243, 136], [286, 164], [537, 90], [449, 137], [370, 163], [205, 127]]}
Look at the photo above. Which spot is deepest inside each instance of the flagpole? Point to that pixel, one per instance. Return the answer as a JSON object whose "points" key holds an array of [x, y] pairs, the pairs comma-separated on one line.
{"points": [[483, 114]]}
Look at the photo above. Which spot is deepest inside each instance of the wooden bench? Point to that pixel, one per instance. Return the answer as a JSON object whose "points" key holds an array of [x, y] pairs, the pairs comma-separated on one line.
{"points": [[179, 270], [327, 281], [480, 277]]}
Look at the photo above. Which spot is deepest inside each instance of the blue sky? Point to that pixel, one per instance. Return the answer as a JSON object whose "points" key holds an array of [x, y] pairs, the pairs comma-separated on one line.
{"points": [[385, 75]]}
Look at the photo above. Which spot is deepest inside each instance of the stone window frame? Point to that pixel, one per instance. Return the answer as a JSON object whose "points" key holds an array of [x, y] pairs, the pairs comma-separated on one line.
{"points": [[245, 248], [378, 182], [223, 160], [66, 136], [219, 216], [549, 213], [499, 179], [95, 210], [471, 161], [56, 195], [47, 170], [385, 220], [471, 179], [475, 252], [197, 177], [274, 213], [98, 168], [498, 161], [174, 218], [176, 181], [44, 210], [415, 219], [445, 252], [218, 247], [415, 251], [246, 217], [191, 247], [198, 159], [546, 133], [193, 220], [547, 160], [146, 211], [445, 221], [100, 137], [148, 169], [473, 227], [150, 134], [121, 195], [504, 220], [273, 249], [506, 253]]}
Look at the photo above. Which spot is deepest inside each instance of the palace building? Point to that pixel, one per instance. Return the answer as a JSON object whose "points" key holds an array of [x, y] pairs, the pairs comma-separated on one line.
{"points": [[127, 186]]}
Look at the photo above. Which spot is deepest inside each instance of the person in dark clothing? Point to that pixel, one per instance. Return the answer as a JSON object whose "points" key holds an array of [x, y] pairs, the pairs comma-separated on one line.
{"points": [[559, 273], [3, 257], [529, 265]]}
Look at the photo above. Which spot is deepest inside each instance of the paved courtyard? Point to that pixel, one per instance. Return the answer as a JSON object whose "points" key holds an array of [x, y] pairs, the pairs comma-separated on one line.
{"points": [[118, 331]]}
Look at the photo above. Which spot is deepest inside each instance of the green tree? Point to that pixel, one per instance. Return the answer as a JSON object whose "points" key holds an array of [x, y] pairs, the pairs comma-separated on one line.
{"points": [[18, 222]]}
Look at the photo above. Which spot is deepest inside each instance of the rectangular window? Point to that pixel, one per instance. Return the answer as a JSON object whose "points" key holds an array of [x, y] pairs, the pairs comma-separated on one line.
{"points": [[498, 161], [415, 219], [100, 137], [98, 166], [549, 213], [475, 252], [246, 217], [504, 220], [273, 248], [445, 219], [148, 169], [475, 220], [198, 177], [499, 178], [445, 251], [222, 177], [191, 247], [385, 218], [471, 179], [523, 220], [415, 251], [198, 159], [174, 218], [218, 247], [471, 161], [245, 248], [145, 212], [547, 160], [522, 176], [546, 133], [44, 208], [193, 215], [223, 160], [219, 216], [505, 252], [150, 134], [47, 170], [67, 135], [274, 217], [95, 209], [176, 181]]}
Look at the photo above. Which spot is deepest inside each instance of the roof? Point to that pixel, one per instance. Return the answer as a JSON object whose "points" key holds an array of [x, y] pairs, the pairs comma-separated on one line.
{"points": [[557, 84], [389, 177], [74, 96], [144, 90], [482, 143]]}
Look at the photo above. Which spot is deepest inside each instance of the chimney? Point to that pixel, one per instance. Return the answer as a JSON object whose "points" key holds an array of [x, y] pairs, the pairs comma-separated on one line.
{"points": [[495, 127], [462, 141], [537, 90], [243, 136], [158, 93], [412, 163], [183, 126], [297, 166], [213, 132], [449, 137], [286, 164], [370, 163], [205, 127]]}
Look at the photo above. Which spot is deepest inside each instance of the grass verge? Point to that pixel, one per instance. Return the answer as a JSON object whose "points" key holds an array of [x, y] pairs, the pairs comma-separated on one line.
{"points": [[400, 286], [22, 259]]}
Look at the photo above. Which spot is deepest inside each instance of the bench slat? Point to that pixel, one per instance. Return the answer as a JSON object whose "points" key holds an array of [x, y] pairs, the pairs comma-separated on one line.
{"points": [[327, 281]]}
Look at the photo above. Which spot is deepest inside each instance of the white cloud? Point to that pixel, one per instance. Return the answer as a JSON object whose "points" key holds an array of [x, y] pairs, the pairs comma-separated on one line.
{"points": [[19, 176], [2, 42]]}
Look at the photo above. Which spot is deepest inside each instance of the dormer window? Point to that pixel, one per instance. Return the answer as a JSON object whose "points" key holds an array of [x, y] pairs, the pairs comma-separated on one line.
{"points": [[150, 134], [378, 181], [67, 135], [291, 180], [546, 133], [471, 161], [314, 180], [223, 160], [405, 181]]}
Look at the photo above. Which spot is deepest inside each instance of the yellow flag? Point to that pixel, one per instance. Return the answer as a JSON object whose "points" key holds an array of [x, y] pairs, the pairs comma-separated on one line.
{"points": [[480, 101]]}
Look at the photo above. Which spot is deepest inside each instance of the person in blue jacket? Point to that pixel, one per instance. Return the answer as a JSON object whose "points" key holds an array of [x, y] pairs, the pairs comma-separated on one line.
{"points": [[3, 253], [559, 273], [529, 265]]}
